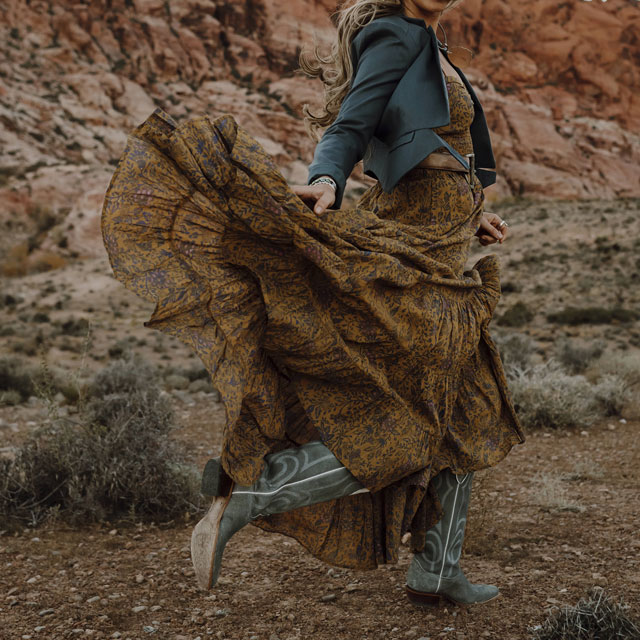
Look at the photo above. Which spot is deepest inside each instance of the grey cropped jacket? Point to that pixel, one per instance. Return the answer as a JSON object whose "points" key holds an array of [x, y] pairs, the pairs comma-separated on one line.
{"points": [[397, 97]]}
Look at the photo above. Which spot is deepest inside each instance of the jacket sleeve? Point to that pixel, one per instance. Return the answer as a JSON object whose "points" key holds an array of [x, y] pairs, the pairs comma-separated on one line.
{"points": [[382, 52]]}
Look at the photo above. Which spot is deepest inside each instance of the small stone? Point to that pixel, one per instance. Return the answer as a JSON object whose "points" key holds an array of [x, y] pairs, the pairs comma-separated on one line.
{"points": [[622, 421], [175, 381], [350, 588], [330, 597], [93, 599], [116, 634], [40, 628], [156, 607], [35, 539], [33, 580], [12, 591], [221, 613], [149, 629], [200, 385], [139, 578], [139, 609], [46, 612], [113, 532]]}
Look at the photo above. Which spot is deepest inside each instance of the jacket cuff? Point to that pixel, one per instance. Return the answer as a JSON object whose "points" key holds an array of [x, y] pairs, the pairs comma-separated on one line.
{"points": [[317, 170]]}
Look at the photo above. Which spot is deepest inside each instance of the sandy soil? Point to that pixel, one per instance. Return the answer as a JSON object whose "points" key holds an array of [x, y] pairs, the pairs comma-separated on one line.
{"points": [[137, 580]]}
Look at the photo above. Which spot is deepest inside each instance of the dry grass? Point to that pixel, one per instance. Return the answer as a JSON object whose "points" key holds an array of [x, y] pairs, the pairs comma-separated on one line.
{"points": [[552, 494], [596, 617]]}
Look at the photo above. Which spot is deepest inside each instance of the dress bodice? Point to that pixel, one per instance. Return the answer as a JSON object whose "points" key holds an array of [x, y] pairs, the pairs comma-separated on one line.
{"points": [[457, 133]]}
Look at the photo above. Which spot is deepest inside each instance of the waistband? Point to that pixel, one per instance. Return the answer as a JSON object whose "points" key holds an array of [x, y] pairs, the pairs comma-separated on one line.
{"points": [[444, 161]]}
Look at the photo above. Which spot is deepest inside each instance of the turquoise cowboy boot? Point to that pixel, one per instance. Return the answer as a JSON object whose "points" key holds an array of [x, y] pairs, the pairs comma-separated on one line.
{"points": [[435, 574], [291, 479]]}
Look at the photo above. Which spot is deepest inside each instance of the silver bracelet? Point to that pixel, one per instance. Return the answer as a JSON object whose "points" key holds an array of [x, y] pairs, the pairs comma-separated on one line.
{"points": [[326, 180]]}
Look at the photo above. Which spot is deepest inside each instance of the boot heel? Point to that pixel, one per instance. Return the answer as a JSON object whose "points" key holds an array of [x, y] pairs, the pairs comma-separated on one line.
{"points": [[215, 481], [423, 599]]}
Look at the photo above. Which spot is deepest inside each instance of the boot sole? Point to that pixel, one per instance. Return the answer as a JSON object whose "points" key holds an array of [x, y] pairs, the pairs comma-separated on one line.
{"points": [[423, 599], [204, 539]]}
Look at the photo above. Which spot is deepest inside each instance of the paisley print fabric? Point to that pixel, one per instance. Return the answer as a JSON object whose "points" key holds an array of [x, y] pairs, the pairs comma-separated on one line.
{"points": [[359, 328]]}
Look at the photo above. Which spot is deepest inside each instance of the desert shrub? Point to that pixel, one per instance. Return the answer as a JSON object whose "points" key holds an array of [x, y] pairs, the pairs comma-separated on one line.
{"points": [[75, 327], [19, 379], [516, 316], [546, 396], [576, 358], [623, 365], [10, 398], [117, 459], [16, 376], [596, 617], [592, 315], [516, 349], [16, 261], [612, 394], [47, 261]]}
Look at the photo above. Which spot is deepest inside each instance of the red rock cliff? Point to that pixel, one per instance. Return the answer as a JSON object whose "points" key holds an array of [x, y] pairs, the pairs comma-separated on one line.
{"points": [[559, 82]]}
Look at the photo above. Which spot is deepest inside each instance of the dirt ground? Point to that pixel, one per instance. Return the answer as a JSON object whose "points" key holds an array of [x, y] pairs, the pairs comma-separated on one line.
{"points": [[557, 517]]}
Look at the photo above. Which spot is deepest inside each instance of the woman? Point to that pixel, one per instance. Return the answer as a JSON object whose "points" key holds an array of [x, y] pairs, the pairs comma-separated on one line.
{"points": [[350, 348]]}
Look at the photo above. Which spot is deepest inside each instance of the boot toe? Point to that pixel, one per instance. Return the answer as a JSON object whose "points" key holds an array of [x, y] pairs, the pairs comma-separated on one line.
{"points": [[207, 545], [429, 590]]}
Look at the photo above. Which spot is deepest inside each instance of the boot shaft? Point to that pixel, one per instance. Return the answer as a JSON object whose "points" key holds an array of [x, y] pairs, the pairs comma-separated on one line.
{"points": [[443, 544]]}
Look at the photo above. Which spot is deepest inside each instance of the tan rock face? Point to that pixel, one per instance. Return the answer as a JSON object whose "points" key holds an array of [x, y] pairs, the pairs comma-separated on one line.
{"points": [[559, 83]]}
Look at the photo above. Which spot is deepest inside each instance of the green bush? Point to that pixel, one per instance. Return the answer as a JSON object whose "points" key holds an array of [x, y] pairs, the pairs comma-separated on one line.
{"points": [[117, 459], [592, 315], [516, 316]]}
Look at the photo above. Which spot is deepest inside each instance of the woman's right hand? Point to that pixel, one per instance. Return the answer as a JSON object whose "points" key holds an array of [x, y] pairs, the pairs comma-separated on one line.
{"points": [[318, 197]]}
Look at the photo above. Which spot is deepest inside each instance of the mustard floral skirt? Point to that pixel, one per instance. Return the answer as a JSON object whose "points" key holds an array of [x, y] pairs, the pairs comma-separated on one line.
{"points": [[358, 328]]}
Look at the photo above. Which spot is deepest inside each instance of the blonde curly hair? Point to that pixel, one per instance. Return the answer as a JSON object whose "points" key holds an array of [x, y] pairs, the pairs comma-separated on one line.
{"points": [[336, 69]]}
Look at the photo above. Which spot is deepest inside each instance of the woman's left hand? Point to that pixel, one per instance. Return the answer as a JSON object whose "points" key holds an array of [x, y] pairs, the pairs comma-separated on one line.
{"points": [[492, 229]]}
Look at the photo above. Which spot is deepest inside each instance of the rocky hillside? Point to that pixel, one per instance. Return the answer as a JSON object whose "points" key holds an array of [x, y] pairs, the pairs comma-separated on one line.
{"points": [[559, 82]]}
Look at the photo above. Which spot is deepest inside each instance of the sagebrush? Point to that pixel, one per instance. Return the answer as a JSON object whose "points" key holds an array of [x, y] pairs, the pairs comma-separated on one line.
{"points": [[546, 396], [116, 459]]}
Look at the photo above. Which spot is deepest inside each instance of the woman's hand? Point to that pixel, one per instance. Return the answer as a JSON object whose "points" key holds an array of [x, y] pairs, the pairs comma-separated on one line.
{"points": [[492, 229], [318, 197]]}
